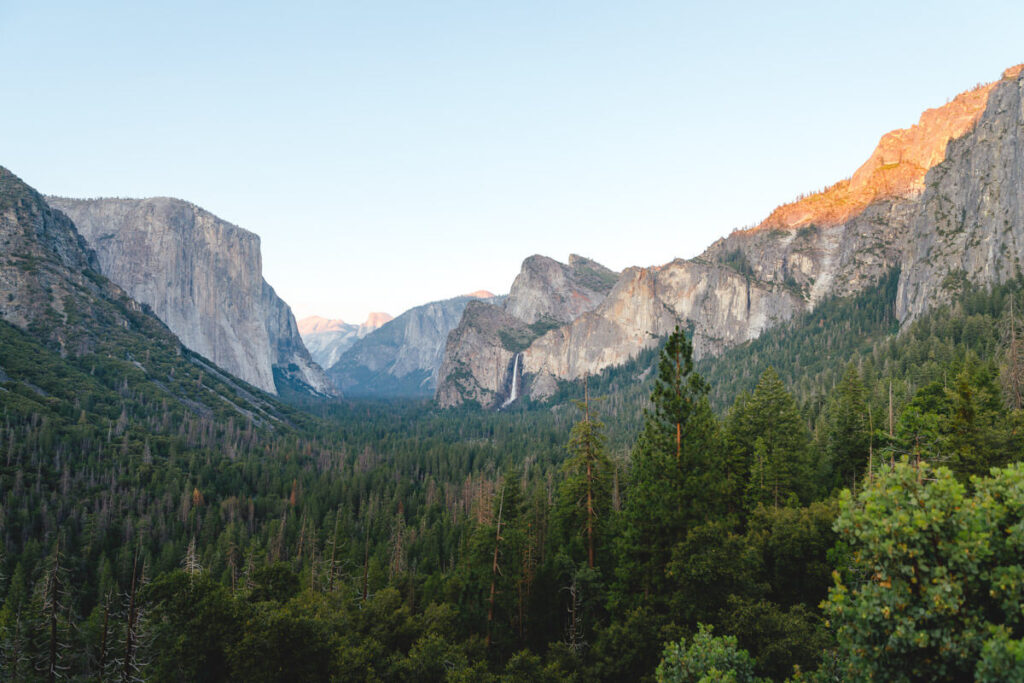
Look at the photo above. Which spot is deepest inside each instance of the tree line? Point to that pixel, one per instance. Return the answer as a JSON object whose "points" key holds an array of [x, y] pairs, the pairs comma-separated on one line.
{"points": [[388, 541]]}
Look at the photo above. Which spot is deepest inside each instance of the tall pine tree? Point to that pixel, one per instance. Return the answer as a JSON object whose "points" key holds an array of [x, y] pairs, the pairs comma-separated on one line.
{"points": [[767, 432], [672, 473], [848, 429]]}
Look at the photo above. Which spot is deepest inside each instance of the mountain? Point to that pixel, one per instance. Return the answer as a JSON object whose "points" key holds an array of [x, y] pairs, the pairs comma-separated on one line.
{"points": [[74, 347], [402, 356], [327, 339], [202, 276], [480, 355], [941, 201], [49, 278]]}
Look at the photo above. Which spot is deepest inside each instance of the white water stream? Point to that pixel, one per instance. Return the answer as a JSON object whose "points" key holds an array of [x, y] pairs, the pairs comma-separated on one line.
{"points": [[514, 394]]}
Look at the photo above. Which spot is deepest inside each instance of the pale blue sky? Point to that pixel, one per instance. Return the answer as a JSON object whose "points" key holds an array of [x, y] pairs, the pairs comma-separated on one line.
{"points": [[392, 153]]}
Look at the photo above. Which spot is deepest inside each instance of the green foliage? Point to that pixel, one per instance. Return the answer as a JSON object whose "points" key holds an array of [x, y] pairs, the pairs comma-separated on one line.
{"points": [[599, 279], [849, 429], [360, 540], [934, 584], [585, 492], [707, 658], [516, 340], [671, 472], [766, 435], [810, 352], [737, 260]]}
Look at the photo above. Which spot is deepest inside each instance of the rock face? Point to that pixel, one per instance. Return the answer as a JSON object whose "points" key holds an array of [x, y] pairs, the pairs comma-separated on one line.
{"points": [[327, 339], [723, 307], [479, 356], [480, 353], [897, 167], [402, 357], [49, 278], [553, 292], [943, 201], [202, 277], [969, 225]]}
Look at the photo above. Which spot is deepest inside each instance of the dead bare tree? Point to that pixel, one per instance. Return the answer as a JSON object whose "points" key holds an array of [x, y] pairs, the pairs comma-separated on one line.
{"points": [[495, 569]]}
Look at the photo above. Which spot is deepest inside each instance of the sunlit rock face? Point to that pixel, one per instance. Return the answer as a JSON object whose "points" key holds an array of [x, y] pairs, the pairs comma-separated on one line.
{"points": [[969, 223], [897, 167], [202, 276], [942, 201]]}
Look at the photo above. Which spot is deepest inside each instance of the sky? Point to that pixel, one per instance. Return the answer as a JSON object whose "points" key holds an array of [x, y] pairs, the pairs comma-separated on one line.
{"points": [[393, 153]]}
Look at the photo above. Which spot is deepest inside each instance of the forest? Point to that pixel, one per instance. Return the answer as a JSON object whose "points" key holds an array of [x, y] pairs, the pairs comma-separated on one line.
{"points": [[833, 501]]}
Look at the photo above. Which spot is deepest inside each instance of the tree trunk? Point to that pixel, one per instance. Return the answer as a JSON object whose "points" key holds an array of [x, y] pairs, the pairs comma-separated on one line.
{"points": [[494, 568], [130, 640]]}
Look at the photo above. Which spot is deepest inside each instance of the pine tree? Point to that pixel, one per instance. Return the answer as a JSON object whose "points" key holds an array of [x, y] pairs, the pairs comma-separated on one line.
{"points": [[191, 563], [768, 432], [585, 494], [14, 628], [50, 602], [848, 429], [673, 468], [1013, 357]]}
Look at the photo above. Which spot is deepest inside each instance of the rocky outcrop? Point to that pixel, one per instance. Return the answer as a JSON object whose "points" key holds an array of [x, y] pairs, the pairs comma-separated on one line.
{"points": [[897, 167], [552, 292], [820, 261], [722, 307], [327, 339], [202, 277], [942, 201], [480, 352], [479, 356], [403, 356], [113, 347], [969, 224], [49, 278]]}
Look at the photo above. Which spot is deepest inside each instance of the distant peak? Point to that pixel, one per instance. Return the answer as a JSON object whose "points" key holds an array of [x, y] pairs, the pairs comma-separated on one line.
{"points": [[896, 168], [481, 294], [314, 324], [376, 319]]}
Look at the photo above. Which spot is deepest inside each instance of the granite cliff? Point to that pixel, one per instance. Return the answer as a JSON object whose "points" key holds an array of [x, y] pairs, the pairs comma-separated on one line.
{"points": [[942, 201], [969, 223], [480, 355], [202, 276], [401, 357]]}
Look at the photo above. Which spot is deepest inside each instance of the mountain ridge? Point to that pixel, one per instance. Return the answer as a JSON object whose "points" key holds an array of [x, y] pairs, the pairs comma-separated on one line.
{"points": [[202, 276], [403, 356], [827, 244]]}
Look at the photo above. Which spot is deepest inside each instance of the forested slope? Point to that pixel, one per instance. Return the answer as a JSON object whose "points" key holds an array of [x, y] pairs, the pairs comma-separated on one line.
{"points": [[392, 541]]}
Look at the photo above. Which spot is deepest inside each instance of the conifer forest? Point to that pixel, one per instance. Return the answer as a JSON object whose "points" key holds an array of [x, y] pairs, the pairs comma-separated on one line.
{"points": [[828, 502]]}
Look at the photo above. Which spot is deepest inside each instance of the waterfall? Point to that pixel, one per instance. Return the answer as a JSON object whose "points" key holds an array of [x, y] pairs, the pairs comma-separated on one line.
{"points": [[514, 393]]}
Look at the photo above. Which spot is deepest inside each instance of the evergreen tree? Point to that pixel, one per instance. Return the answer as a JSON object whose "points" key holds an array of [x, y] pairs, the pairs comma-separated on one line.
{"points": [[672, 477], [585, 493], [767, 431], [848, 428], [50, 606], [15, 648]]}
